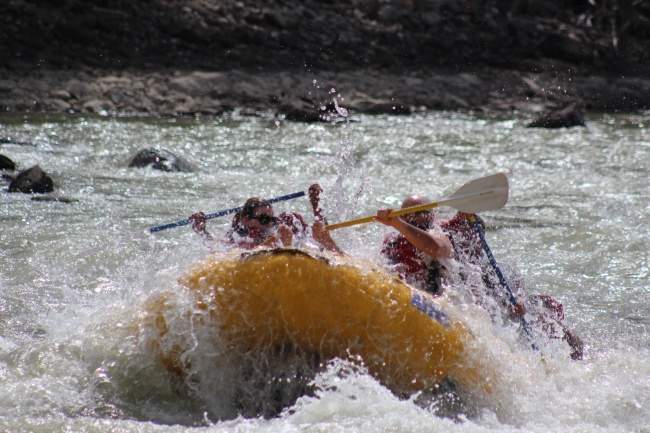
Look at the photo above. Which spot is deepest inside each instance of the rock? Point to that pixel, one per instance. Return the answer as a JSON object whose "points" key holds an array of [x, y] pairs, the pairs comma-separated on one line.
{"points": [[365, 104], [7, 85], [38, 86], [567, 48], [54, 198], [9, 140], [533, 89], [32, 180], [566, 117], [160, 159], [429, 5], [285, 18], [6, 163], [98, 106], [61, 94], [633, 93], [111, 81], [78, 89], [56, 105], [388, 107], [300, 111], [200, 84]]}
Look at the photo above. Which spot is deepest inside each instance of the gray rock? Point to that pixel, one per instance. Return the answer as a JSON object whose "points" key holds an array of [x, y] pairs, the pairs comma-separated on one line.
{"points": [[98, 106], [6, 163], [54, 198], [7, 85], [56, 105], [79, 89], [568, 48], [565, 117], [368, 105], [61, 94], [32, 180], [200, 83], [300, 111], [534, 89], [39, 86], [160, 159]]}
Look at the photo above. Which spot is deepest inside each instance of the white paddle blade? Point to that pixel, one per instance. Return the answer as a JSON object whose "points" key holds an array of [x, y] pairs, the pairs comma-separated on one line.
{"points": [[480, 195]]}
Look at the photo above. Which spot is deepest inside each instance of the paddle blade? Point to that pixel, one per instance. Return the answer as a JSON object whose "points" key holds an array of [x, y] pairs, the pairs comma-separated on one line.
{"points": [[480, 195]]}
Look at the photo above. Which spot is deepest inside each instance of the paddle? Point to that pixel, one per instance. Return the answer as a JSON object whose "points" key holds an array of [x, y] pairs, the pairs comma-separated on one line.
{"points": [[186, 222], [502, 279], [220, 213], [478, 195]]}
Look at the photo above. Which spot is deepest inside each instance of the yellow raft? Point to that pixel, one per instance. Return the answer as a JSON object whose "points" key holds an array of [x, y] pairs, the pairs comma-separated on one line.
{"points": [[332, 306]]}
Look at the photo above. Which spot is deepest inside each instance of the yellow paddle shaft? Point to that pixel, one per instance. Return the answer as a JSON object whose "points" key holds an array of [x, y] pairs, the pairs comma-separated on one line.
{"points": [[394, 213], [453, 202]]}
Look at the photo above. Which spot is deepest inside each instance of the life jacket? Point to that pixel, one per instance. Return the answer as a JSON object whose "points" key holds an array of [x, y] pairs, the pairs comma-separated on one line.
{"points": [[464, 239], [247, 240], [412, 265]]}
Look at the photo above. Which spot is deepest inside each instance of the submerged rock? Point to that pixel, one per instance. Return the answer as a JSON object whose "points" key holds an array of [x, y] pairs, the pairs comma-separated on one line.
{"points": [[160, 159], [54, 198], [300, 111], [6, 163], [32, 180], [566, 117]]}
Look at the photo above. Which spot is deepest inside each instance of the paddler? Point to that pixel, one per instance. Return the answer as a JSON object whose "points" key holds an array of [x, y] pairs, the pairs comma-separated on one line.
{"points": [[419, 247], [255, 224], [545, 312], [415, 252]]}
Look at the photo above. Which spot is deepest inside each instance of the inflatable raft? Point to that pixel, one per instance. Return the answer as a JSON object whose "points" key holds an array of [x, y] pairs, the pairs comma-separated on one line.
{"points": [[328, 305]]}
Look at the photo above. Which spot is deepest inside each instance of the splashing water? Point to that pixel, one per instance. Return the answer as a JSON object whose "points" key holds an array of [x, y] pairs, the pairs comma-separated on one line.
{"points": [[70, 357]]}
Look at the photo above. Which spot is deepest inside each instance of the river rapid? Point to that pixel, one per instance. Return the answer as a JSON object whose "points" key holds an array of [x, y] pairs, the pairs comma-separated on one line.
{"points": [[72, 275]]}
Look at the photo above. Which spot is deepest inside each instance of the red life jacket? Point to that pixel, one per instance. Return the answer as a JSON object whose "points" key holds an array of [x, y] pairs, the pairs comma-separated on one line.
{"points": [[412, 265]]}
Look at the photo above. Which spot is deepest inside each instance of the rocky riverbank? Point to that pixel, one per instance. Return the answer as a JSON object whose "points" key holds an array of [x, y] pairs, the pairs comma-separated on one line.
{"points": [[314, 59], [299, 96]]}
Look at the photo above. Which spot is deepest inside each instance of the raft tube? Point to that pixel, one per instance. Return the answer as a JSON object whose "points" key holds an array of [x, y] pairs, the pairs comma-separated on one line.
{"points": [[331, 306]]}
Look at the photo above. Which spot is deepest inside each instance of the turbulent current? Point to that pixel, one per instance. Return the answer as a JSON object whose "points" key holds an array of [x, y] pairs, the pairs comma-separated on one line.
{"points": [[75, 273]]}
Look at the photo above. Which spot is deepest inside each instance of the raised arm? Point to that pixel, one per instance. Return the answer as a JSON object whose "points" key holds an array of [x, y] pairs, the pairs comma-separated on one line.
{"points": [[324, 238], [436, 244], [198, 225]]}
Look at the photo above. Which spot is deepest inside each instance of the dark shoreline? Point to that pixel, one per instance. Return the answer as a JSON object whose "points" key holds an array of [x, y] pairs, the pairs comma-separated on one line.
{"points": [[289, 94], [205, 57]]}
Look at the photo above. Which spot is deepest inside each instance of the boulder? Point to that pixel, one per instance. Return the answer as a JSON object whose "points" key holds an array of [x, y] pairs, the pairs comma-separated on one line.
{"points": [[300, 111], [565, 117], [6, 163], [568, 48], [160, 159], [32, 180], [197, 84]]}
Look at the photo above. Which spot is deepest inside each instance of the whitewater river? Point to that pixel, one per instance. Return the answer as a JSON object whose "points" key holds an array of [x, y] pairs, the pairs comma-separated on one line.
{"points": [[576, 226]]}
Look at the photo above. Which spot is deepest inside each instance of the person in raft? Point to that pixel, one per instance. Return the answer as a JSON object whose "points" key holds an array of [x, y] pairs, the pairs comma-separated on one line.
{"points": [[545, 312], [255, 225], [468, 252], [414, 252]]}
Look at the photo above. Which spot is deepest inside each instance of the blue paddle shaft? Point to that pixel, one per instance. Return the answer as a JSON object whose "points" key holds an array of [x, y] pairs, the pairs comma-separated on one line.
{"points": [[221, 213], [493, 262], [502, 279]]}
